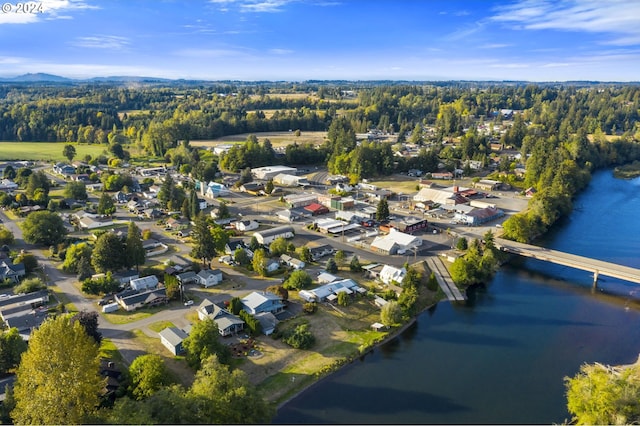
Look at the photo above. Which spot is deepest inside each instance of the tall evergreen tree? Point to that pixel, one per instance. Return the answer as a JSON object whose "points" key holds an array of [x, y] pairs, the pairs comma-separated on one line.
{"points": [[203, 243], [382, 212], [135, 253]]}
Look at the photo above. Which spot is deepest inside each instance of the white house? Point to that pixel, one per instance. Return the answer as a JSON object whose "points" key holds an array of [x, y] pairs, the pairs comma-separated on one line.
{"points": [[390, 274], [292, 262], [246, 225], [227, 323], [8, 185], [267, 236], [144, 283], [269, 172], [209, 277], [395, 242]]}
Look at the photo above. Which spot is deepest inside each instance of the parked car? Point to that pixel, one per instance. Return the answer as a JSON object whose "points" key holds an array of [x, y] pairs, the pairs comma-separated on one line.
{"points": [[188, 303]]}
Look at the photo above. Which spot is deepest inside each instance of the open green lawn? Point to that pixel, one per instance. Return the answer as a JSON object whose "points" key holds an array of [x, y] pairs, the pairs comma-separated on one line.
{"points": [[47, 151]]}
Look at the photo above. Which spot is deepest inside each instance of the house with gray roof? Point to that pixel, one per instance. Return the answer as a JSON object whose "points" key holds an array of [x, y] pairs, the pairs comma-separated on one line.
{"points": [[130, 300], [144, 283], [262, 301], [172, 338], [227, 323], [10, 270], [209, 277]]}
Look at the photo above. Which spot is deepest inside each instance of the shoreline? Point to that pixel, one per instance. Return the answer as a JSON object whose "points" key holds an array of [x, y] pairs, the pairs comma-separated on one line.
{"points": [[387, 338]]}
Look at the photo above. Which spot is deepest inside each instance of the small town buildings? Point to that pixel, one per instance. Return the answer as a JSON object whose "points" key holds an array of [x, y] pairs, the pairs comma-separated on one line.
{"points": [[479, 216], [267, 321], [23, 311], [409, 225], [262, 301], [267, 236], [130, 300], [188, 277], [300, 200], [246, 225], [395, 242], [209, 277], [324, 225], [144, 283], [272, 266], [444, 196], [64, 169], [92, 222], [269, 172], [172, 338], [390, 274], [292, 262], [530, 192], [253, 188], [487, 184], [316, 209], [213, 189], [324, 292], [285, 179], [125, 277], [320, 251], [325, 277], [442, 175], [11, 271], [8, 185], [343, 203], [227, 323]]}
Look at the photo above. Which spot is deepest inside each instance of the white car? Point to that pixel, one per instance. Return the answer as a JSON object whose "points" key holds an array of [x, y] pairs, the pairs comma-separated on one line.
{"points": [[188, 303]]}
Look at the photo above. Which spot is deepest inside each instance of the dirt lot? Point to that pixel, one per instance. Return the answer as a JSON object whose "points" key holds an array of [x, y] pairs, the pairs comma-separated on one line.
{"points": [[277, 138]]}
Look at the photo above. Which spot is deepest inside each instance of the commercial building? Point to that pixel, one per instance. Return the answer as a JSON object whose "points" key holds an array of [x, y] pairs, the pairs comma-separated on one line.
{"points": [[267, 236], [269, 172]]}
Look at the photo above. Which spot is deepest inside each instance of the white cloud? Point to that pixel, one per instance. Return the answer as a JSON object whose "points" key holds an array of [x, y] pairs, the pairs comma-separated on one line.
{"points": [[102, 42], [281, 51], [618, 18], [46, 10], [494, 46]]}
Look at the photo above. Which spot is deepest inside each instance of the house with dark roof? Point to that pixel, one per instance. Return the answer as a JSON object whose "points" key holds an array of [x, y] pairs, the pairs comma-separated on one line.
{"points": [[11, 271], [227, 323], [187, 277], [130, 300], [320, 251], [24, 311]]}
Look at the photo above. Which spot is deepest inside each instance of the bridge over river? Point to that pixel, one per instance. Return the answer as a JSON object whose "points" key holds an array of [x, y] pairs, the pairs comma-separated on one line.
{"points": [[597, 267]]}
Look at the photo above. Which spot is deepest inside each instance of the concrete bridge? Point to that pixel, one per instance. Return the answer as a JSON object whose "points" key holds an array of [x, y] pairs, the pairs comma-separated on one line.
{"points": [[597, 267]]}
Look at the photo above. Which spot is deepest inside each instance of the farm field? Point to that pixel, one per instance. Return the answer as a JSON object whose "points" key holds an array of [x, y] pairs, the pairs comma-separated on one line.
{"points": [[44, 151], [277, 138]]}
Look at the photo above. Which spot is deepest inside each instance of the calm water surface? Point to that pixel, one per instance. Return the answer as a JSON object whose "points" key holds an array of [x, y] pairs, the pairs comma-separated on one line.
{"points": [[501, 357]]}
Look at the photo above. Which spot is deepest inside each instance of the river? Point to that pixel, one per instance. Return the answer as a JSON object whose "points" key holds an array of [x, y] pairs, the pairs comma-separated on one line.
{"points": [[501, 357]]}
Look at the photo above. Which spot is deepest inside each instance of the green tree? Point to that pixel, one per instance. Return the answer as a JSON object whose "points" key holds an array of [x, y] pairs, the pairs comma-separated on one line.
{"points": [[254, 244], [30, 285], [305, 254], [340, 257], [69, 151], [278, 247], [241, 257], [12, 346], [355, 266], [259, 262], [106, 204], [6, 236], [203, 243], [220, 238], [89, 322], [235, 305], [37, 181], [382, 211], [279, 290], [172, 286], [108, 253], [75, 190], [268, 188], [57, 381], [29, 261], [204, 341], [331, 266], [75, 253], [298, 280], [300, 338], [43, 228], [223, 210], [226, 396], [9, 172], [134, 250], [462, 244], [148, 375], [343, 299], [391, 313]]}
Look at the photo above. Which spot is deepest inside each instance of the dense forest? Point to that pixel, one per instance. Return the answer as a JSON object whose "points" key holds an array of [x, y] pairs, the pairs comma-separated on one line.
{"points": [[562, 132]]}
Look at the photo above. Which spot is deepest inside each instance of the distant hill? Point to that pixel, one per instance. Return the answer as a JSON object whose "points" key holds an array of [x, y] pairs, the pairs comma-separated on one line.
{"points": [[37, 77]]}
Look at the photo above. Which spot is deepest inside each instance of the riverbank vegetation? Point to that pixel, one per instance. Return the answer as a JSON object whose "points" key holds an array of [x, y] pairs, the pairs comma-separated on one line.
{"points": [[627, 171]]}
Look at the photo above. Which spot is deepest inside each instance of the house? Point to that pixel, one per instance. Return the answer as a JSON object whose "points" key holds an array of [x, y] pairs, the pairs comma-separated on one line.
{"points": [[445, 196], [320, 251], [414, 173], [323, 292], [231, 247], [252, 188], [262, 301], [316, 209], [300, 200], [213, 189], [268, 322], [390, 274], [152, 213], [289, 215], [114, 378], [187, 278], [125, 277], [267, 236], [8, 185], [246, 225], [64, 169], [285, 179], [325, 278], [120, 197], [292, 262], [442, 175], [479, 216], [11, 271], [202, 204], [272, 266], [227, 323], [487, 184], [269, 172], [130, 300], [93, 222], [395, 242], [144, 283], [24, 311], [530, 192], [209, 277], [172, 338], [410, 225]]}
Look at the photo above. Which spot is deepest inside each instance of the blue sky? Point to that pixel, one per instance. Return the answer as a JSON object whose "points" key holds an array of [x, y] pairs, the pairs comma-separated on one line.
{"points": [[325, 39]]}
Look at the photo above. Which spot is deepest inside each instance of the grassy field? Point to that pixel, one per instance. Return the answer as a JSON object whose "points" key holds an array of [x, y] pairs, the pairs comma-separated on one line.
{"points": [[46, 151], [277, 138]]}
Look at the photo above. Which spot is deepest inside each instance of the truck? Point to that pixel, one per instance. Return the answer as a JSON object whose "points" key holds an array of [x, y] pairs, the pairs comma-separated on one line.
{"points": [[111, 307]]}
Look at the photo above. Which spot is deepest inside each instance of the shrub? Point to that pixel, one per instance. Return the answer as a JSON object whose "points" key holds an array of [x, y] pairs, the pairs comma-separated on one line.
{"points": [[310, 307], [300, 338]]}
